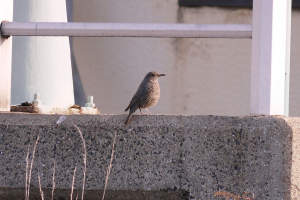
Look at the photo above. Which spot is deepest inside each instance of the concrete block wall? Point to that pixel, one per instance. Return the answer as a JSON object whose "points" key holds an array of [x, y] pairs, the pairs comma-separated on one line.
{"points": [[156, 157]]}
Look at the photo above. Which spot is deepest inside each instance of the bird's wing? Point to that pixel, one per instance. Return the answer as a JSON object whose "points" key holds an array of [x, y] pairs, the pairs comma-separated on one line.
{"points": [[135, 99], [141, 94]]}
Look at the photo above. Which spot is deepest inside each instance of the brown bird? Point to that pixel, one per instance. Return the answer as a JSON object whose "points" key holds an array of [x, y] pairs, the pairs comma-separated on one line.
{"points": [[146, 95]]}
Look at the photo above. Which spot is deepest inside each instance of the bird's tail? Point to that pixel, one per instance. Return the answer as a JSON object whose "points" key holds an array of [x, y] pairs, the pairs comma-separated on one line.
{"points": [[132, 110], [127, 119]]}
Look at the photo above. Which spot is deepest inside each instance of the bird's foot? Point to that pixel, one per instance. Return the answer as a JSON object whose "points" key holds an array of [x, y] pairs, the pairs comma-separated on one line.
{"points": [[141, 111], [145, 113], [148, 112]]}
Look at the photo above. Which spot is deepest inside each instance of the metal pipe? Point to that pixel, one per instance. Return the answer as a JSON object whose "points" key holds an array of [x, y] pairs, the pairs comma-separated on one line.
{"points": [[126, 30]]}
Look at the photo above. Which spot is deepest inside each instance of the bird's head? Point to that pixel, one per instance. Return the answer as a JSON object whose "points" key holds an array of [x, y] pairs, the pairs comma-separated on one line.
{"points": [[153, 76]]}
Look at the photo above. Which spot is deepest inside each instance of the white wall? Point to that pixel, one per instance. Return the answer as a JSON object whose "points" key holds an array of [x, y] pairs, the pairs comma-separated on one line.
{"points": [[204, 76]]}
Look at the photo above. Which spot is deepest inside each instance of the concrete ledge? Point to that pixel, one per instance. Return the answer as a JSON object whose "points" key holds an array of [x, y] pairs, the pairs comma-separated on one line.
{"points": [[191, 157]]}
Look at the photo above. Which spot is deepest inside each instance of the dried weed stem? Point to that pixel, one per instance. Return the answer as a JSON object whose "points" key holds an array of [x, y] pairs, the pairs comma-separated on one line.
{"points": [[40, 186], [110, 165], [28, 177], [53, 181], [84, 160], [72, 187]]}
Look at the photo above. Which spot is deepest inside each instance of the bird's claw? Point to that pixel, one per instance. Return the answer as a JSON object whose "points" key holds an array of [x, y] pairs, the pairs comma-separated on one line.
{"points": [[146, 113]]}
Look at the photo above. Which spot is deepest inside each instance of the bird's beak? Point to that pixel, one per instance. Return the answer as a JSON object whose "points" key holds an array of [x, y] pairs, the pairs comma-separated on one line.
{"points": [[159, 75]]}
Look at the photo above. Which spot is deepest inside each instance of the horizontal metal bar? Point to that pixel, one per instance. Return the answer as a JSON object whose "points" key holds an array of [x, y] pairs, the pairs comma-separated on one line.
{"points": [[126, 30]]}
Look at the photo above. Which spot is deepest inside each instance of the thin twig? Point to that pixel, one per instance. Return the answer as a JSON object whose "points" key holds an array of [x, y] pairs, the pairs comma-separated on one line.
{"points": [[110, 165], [40, 186], [71, 198], [31, 166], [26, 180], [84, 160], [53, 181]]}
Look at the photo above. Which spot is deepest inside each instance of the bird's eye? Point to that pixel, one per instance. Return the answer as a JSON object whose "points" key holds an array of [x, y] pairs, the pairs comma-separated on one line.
{"points": [[153, 74]]}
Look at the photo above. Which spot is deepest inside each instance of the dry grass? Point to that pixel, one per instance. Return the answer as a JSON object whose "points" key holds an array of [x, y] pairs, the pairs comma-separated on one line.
{"points": [[26, 178], [29, 167], [84, 160], [40, 186], [228, 195], [28, 174], [53, 181], [110, 165], [72, 187]]}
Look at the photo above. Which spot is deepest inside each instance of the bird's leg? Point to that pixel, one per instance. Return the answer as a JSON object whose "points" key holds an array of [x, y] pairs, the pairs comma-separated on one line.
{"points": [[141, 111], [148, 111]]}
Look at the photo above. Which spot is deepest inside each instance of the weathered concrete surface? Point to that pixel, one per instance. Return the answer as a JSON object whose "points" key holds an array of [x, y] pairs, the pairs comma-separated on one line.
{"points": [[192, 156]]}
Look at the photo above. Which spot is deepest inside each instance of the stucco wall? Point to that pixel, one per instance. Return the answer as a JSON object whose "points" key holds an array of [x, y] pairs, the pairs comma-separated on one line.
{"points": [[204, 76]]}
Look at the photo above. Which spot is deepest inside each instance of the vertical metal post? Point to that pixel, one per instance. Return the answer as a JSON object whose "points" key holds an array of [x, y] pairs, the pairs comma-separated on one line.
{"points": [[42, 64], [270, 56], [6, 14], [288, 58]]}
